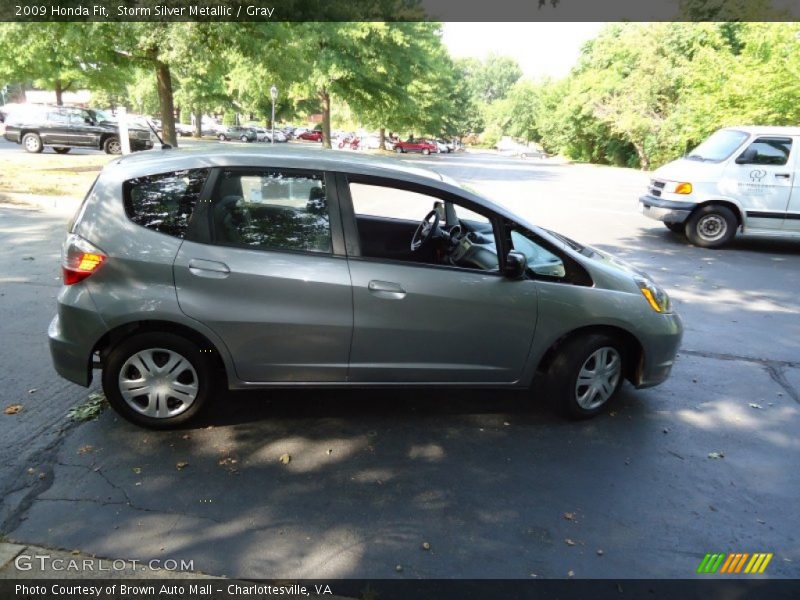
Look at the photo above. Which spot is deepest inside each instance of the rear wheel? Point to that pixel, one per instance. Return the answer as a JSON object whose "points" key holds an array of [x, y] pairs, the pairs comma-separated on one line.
{"points": [[158, 380], [711, 226], [112, 145], [61, 150], [32, 143], [222, 137], [585, 376], [676, 227], [425, 151], [398, 150], [244, 138]]}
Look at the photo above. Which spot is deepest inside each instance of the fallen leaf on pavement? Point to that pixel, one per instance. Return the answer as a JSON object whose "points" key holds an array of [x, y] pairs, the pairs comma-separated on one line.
{"points": [[13, 409], [600, 553], [754, 405], [571, 574], [137, 470], [88, 448], [32, 391], [285, 459], [569, 542], [426, 546], [181, 465], [716, 455], [569, 516]]}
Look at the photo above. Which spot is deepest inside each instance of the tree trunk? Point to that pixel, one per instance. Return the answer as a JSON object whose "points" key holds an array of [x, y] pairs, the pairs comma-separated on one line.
{"points": [[382, 139], [59, 93], [325, 99], [165, 100], [198, 122], [644, 160]]}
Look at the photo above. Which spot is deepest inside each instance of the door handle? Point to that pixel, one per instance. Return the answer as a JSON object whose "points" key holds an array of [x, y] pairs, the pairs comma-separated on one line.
{"points": [[208, 268], [386, 289], [782, 175]]}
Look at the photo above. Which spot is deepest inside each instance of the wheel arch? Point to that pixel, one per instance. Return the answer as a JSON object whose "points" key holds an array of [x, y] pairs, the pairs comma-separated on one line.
{"points": [[737, 210], [633, 359], [114, 336]]}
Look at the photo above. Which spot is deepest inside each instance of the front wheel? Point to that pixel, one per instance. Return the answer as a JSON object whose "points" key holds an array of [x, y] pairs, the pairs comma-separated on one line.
{"points": [[398, 150], [158, 380], [32, 143], [585, 376], [61, 150], [222, 137], [711, 226], [112, 145], [426, 152]]}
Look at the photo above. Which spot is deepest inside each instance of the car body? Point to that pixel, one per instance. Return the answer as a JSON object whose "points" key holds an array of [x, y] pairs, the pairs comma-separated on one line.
{"points": [[265, 135], [312, 135], [287, 267], [741, 179], [64, 128], [415, 145], [236, 133]]}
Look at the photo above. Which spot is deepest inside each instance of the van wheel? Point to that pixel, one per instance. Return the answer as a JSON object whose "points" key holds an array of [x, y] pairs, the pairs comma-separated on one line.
{"points": [[711, 226], [158, 380], [112, 145], [676, 227], [32, 143], [585, 376], [61, 150]]}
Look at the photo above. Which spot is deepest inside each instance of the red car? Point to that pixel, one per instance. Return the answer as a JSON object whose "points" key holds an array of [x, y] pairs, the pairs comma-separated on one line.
{"points": [[412, 145], [311, 136]]}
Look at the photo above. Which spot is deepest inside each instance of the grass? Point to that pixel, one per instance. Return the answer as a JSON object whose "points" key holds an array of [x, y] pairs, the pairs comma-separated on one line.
{"points": [[50, 174]]}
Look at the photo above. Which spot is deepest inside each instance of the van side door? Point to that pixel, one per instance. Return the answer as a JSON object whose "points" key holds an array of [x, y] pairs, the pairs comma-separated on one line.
{"points": [[763, 175]]}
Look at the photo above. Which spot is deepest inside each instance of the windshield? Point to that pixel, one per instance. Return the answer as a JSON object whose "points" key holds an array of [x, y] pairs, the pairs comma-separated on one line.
{"points": [[101, 116], [719, 146]]}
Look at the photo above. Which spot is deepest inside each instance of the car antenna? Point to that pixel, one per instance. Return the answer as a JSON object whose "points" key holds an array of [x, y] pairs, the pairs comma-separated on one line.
{"points": [[153, 129]]}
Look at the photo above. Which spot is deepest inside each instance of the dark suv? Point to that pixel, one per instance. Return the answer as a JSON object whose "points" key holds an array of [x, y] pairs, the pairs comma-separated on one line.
{"points": [[64, 128]]}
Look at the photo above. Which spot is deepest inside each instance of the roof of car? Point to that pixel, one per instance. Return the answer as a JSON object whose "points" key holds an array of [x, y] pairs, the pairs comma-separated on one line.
{"points": [[285, 155], [765, 129]]}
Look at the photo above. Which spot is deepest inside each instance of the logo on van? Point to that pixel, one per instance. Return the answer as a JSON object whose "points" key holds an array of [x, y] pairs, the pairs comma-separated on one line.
{"points": [[756, 175]]}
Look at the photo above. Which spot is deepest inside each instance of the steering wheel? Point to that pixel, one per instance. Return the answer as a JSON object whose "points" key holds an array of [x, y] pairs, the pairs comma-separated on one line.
{"points": [[425, 230]]}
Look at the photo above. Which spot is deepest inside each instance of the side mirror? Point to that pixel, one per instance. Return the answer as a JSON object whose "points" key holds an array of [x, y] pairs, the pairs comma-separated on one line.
{"points": [[515, 266], [747, 157]]}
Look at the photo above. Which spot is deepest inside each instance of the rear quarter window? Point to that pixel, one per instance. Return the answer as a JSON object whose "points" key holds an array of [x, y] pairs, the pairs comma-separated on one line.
{"points": [[164, 202]]}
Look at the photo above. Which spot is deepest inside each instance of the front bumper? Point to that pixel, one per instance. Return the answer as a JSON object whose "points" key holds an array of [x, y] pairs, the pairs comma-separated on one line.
{"points": [[660, 345], [668, 211], [137, 145]]}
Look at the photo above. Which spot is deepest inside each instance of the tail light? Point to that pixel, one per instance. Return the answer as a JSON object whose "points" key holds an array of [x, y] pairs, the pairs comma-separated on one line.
{"points": [[79, 259]]}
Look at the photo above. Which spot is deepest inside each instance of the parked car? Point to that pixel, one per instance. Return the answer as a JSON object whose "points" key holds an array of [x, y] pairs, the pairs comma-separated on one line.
{"points": [[63, 128], [313, 135], [184, 270], [741, 179], [184, 129], [441, 146], [508, 147], [235, 132], [412, 145], [280, 137]]}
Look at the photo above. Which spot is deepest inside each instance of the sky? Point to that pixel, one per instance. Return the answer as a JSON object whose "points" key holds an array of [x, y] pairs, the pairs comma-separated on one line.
{"points": [[541, 49]]}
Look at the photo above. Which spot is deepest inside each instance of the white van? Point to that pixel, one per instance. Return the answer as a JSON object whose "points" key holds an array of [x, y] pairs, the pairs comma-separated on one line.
{"points": [[740, 179]]}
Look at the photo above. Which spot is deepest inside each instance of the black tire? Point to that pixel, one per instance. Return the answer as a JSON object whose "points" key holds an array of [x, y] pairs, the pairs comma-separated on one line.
{"points": [[61, 150], [398, 150], [32, 143], [204, 377], [562, 385], [244, 138], [426, 152], [112, 145], [222, 137], [676, 227], [711, 226]]}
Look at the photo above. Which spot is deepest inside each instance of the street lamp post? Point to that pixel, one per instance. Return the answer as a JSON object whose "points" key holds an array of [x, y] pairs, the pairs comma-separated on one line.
{"points": [[273, 91]]}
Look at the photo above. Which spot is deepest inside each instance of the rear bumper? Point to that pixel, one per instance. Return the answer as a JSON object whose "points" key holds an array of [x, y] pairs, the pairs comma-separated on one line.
{"points": [[73, 333], [660, 348], [668, 211]]}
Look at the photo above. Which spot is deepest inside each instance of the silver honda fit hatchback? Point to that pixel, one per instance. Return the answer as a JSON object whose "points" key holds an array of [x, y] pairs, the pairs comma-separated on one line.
{"points": [[187, 270]]}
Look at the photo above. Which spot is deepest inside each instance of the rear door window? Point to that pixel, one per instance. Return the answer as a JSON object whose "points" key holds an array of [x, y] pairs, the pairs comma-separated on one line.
{"points": [[272, 209], [164, 202]]}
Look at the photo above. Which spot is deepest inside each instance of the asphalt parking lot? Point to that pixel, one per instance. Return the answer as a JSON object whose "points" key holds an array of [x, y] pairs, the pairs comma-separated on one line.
{"points": [[497, 485]]}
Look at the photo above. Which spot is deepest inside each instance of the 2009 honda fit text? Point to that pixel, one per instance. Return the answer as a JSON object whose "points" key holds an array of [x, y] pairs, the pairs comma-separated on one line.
{"points": [[186, 269]]}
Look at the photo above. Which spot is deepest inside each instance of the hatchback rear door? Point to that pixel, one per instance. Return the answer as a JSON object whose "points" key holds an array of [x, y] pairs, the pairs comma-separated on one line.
{"points": [[265, 269]]}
